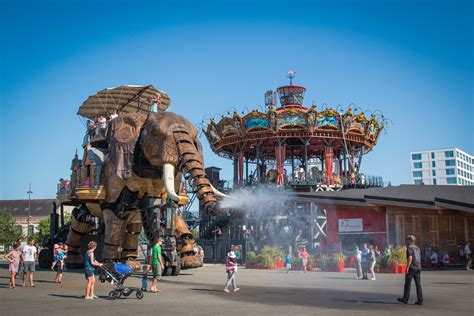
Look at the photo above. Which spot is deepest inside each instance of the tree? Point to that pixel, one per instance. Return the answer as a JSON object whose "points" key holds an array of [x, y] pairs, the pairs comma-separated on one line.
{"points": [[44, 231], [10, 231]]}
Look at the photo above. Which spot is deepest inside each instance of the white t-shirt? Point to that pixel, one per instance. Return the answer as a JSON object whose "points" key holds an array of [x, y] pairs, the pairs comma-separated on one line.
{"points": [[467, 250], [29, 252]]}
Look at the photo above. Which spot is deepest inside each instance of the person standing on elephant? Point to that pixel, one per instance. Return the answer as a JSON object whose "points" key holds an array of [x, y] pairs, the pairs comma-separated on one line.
{"points": [[156, 264]]}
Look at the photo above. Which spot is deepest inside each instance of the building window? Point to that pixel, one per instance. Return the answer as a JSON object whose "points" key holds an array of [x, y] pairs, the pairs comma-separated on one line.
{"points": [[450, 163], [416, 156], [450, 172], [31, 230], [449, 154], [451, 230], [469, 224], [417, 174], [432, 155], [418, 181], [434, 233], [416, 226], [433, 164], [451, 180], [434, 181], [417, 165], [433, 172]]}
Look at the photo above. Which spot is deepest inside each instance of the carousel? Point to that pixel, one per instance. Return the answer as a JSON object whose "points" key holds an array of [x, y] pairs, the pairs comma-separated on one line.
{"points": [[288, 143]]}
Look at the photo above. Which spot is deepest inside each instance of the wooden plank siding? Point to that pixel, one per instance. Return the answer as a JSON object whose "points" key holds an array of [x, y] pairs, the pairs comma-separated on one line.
{"points": [[443, 230]]}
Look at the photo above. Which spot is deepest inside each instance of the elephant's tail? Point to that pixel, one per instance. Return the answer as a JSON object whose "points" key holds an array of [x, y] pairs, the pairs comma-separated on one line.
{"points": [[191, 162]]}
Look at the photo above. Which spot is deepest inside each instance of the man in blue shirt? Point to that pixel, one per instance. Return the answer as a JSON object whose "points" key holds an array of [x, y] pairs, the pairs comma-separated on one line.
{"points": [[365, 267]]}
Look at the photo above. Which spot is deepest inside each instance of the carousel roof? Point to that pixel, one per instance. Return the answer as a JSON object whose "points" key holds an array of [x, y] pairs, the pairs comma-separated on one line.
{"points": [[123, 99], [293, 124]]}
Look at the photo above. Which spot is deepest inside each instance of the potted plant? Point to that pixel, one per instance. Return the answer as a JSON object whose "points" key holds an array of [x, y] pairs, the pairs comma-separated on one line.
{"points": [[324, 262], [338, 261], [394, 260]]}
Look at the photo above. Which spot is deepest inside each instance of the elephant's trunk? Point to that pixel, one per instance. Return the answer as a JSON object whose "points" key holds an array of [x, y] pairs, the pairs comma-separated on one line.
{"points": [[191, 162]]}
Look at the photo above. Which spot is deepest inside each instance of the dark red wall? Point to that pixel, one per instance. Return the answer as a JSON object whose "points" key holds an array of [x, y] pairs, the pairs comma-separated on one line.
{"points": [[373, 220]]}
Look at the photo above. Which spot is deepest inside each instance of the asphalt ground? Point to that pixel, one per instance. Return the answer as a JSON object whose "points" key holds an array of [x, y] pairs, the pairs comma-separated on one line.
{"points": [[263, 292]]}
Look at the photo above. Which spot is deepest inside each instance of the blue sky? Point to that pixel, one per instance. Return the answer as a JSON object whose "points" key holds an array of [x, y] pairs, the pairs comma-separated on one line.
{"points": [[413, 60]]}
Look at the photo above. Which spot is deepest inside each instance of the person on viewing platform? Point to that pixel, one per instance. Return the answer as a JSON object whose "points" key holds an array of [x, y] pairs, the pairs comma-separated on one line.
{"points": [[413, 272]]}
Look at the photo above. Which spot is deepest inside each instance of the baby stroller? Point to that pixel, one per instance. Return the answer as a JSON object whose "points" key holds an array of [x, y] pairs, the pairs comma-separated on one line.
{"points": [[116, 274]]}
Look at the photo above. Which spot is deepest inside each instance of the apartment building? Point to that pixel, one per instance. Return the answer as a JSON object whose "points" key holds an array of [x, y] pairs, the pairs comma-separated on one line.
{"points": [[442, 166]]}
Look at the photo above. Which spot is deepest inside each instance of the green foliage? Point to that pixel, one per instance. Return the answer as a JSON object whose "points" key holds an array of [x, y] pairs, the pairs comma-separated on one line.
{"points": [[397, 255], [327, 263], [252, 257], [324, 262], [43, 231], [266, 257], [9, 230]]}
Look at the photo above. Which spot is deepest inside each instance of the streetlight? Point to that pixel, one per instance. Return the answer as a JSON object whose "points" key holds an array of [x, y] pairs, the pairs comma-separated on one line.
{"points": [[29, 210]]}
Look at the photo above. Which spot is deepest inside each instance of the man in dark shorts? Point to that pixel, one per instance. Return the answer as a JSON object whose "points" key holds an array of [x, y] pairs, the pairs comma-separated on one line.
{"points": [[413, 272], [156, 264]]}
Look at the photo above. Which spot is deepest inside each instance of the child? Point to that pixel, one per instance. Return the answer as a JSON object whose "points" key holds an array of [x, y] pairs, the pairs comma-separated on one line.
{"points": [[231, 269], [89, 265], [14, 258], [59, 255], [288, 262], [145, 270]]}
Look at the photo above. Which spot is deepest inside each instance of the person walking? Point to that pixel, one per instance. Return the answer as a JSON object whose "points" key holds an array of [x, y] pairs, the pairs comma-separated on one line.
{"points": [[29, 256], [288, 262], [413, 272], [364, 254], [358, 263], [89, 264], [157, 265], [303, 254], [467, 255], [21, 266], [371, 259], [231, 270], [13, 258]]}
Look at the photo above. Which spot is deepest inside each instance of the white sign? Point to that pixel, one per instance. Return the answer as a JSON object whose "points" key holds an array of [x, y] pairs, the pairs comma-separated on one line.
{"points": [[350, 225]]}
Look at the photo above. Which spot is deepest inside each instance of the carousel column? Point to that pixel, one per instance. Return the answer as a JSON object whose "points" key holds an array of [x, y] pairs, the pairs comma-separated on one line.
{"points": [[257, 160], [247, 170], [236, 172], [241, 168], [305, 162]]}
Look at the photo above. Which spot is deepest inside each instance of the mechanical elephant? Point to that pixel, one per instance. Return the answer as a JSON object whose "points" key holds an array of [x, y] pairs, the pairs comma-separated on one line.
{"points": [[147, 156]]}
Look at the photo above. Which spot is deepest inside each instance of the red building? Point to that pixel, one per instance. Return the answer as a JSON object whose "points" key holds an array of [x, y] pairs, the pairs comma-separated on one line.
{"points": [[441, 217]]}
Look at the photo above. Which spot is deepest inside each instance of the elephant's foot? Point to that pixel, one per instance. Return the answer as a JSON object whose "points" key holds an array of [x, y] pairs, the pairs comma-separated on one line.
{"points": [[74, 260], [190, 262]]}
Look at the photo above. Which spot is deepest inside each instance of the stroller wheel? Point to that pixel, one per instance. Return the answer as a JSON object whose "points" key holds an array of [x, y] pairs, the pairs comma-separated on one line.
{"points": [[139, 295], [115, 294], [127, 291]]}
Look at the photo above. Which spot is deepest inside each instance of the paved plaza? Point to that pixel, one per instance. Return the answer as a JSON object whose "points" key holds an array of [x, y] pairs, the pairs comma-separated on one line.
{"points": [[263, 292]]}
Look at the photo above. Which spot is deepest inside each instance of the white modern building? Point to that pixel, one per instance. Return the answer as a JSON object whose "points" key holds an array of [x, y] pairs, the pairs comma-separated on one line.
{"points": [[442, 166]]}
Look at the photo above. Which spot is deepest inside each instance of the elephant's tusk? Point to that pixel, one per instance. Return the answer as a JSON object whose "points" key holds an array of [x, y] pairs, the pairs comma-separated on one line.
{"points": [[168, 179], [219, 193]]}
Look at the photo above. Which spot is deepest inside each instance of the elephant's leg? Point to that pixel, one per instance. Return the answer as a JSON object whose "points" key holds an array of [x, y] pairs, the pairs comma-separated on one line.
{"points": [[76, 232], [114, 230], [133, 228]]}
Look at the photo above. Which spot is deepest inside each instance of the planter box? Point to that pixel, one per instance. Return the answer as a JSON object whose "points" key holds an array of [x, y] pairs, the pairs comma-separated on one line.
{"points": [[395, 268]]}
